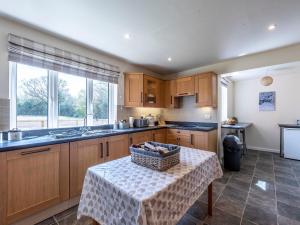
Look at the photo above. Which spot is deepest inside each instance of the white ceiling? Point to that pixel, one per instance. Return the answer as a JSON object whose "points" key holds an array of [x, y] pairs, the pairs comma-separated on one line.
{"points": [[275, 70], [193, 32]]}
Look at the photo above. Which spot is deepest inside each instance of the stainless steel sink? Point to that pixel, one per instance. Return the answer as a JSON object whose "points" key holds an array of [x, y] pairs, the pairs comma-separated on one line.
{"points": [[95, 132]]}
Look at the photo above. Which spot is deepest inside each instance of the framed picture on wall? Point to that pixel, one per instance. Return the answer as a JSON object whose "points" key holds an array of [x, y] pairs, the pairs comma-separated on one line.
{"points": [[267, 101]]}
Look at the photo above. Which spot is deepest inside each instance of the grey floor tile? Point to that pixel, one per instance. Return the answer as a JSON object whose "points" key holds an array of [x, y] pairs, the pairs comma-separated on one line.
{"points": [[242, 177], [264, 174], [286, 221], [263, 201], [263, 187], [198, 210], [188, 220], [288, 198], [239, 184], [288, 211], [247, 222], [217, 189], [285, 180], [283, 169], [288, 189], [49, 221], [231, 205], [260, 215], [222, 218], [232, 192], [285, 174]]}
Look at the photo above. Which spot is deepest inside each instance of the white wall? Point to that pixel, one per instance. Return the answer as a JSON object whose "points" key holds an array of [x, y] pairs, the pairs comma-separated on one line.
{"points": [[264, 134], [189, 112]]}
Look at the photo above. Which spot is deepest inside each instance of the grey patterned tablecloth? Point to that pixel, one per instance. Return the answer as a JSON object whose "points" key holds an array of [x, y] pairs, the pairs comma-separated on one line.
{"points": [[120, 192]]}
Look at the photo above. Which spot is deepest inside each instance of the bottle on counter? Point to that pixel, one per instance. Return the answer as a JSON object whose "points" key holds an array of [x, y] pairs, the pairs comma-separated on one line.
{"points": [[116, 125]]}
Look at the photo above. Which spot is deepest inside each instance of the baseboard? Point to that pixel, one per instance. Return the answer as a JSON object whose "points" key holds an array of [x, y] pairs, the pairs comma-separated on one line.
{"points": [[38, 217], [264, 149]]}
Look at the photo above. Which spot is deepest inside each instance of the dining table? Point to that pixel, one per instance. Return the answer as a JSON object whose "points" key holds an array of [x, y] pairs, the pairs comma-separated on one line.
{"points": [[120, 192]]}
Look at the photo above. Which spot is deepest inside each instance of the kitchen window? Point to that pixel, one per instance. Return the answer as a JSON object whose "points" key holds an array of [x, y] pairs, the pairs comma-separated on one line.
{"points": [[42, 98]]}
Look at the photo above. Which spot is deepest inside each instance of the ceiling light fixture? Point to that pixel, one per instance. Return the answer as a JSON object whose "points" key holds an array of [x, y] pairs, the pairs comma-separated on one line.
{"points": [[169, 59], [127, 36], [242, 54], [272, 27]]}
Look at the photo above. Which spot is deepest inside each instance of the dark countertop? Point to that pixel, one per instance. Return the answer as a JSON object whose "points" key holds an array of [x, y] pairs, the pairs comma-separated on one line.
{"points": [[237, 126], [46, 139], [288, 125]]}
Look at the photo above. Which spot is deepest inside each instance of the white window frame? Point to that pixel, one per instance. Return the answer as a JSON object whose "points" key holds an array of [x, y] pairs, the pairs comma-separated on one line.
{"points": [[52, 117], [223, 108]]}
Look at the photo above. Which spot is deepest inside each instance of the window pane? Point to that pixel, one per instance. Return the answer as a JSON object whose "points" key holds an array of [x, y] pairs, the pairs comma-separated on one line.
{"points": [[32, 97], [71, 100], [100, 103]]}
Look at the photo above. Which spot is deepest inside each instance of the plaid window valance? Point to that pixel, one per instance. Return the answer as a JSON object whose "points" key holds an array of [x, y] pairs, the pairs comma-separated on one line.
{"points": [[23, 50]]}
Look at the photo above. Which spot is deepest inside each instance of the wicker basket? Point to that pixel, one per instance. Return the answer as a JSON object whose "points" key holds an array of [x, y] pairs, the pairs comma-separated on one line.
{"points": [[155, 161]]}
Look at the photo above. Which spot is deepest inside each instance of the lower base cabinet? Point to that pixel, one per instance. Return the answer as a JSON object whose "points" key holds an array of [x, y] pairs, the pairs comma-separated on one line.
{"points": [[140, 137], [84, 154], [32, 179], [193, 139], [35, 179]]}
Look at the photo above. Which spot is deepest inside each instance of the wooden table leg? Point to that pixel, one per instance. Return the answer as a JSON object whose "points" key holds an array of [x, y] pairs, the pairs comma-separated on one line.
{"points": [[209, 200]]}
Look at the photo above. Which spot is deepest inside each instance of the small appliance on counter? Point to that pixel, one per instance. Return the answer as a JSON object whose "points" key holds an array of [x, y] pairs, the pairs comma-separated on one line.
{"points": [[142, 122], [131, 121], [15, 134], [123, 124], [151, 120]]}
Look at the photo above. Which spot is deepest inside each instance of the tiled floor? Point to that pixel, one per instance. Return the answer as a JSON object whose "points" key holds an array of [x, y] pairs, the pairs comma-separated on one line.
{"points": [[265, 192]]}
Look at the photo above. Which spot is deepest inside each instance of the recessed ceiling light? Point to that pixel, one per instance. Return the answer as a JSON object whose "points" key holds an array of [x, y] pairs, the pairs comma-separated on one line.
{"points": [[127, 36], [272, 27], [169, 59], [242, 54]]}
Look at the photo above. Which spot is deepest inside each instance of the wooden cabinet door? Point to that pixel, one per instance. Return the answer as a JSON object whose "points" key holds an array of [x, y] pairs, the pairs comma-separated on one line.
{"points": [[116, 147], [152, 92], [206, 90], [159, 135], [140, 137], [185, 86], [83, 154], [171, 101], [184, 137], [35, 179], [133, 89], [199, 140], [172, 136]]}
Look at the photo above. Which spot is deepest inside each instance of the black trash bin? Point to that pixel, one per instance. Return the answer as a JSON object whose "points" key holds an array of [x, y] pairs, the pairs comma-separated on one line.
{"points": [[232, 152]]}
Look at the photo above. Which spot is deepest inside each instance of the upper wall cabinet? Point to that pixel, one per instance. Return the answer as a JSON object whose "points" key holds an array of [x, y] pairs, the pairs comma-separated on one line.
{"points": [[171, 101], [206, 89], [133, 85], [185, 86], [153, 92], [143, 91]]}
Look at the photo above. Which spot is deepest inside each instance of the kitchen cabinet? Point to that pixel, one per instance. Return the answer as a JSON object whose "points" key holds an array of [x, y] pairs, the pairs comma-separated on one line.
{"points": [[84, 154], [116, 147], [185, 86], [193, 139], [159, 135], [133, 87], [153, 96], [171, 101], [140, 137], [32, 179], [142, 90], [206, 89], [172, 137]]}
